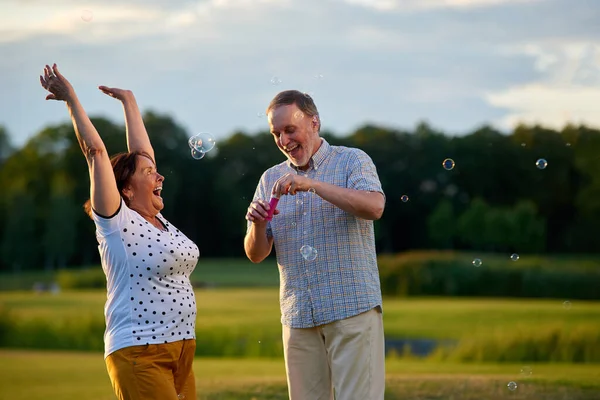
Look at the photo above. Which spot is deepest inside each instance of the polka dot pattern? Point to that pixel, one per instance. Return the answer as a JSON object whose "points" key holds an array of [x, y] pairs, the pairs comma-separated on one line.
{"points": [[153, 300]]}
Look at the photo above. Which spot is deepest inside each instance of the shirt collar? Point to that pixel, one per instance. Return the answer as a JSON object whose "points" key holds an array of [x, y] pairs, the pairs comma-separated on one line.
{"points": [[317, 159]]}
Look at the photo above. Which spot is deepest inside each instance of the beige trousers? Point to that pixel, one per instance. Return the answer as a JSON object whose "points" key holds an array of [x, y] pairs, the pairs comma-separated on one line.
{"points": [[343, 360]]}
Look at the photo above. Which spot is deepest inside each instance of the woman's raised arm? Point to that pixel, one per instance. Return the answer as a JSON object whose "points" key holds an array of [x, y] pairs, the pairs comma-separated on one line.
{"points": [[104, 195], [137, 136]]}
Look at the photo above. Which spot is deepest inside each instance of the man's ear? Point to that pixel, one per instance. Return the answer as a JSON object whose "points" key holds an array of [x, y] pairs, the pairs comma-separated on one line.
{"points": [[316, 123]]}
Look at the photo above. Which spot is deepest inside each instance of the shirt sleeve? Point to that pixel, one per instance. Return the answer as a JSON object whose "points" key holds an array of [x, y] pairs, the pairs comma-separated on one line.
{"points": [[108, 225], [362, 173], [261, 193]]}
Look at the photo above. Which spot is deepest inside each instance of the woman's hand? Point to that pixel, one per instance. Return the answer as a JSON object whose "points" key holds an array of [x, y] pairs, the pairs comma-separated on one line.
{"points": [[58, 86], [119, 94]]}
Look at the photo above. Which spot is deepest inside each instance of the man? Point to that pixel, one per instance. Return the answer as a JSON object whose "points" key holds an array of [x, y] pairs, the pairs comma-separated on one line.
{"points": [[331, 305]]}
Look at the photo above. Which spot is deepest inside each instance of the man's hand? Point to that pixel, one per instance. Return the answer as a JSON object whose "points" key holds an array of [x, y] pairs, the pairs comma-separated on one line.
{"points": [[291, 184], [258, 211]]}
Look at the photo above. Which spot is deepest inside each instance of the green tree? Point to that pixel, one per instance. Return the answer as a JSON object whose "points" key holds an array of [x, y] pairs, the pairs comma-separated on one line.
{"points": [[19, 243], [61, 223], [472, 226], [442, 225]]}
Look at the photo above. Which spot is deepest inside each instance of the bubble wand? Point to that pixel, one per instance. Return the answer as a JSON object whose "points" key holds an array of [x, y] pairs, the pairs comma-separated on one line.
{"points": [[272, 205]]}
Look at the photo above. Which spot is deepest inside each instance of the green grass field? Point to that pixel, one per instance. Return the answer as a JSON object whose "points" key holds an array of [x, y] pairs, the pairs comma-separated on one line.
{"points": [[258, 308], [222, 272], [245, 323], [26, 375]]}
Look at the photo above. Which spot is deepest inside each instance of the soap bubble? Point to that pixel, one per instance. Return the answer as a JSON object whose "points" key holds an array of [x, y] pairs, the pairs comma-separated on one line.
{"points": [[477, 262], [275, 80], [87, 15], [404, 198], [567, 305], [541, 163], [308, 252], [197, 154], [203, 142], [526, 371], [514, 257], [448, 164], [512, 386], [312, 191]]}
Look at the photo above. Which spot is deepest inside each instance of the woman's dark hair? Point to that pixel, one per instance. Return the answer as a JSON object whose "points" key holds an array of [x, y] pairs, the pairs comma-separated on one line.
{"points": [[124, 166]]}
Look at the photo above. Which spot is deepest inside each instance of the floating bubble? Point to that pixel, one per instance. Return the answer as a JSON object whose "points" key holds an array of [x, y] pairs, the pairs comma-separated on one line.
{"points": [[275, 80], [567, 305], [299, 202], [259, 342], [523, 145], [477, 262], [260, 115], [514, 257], [541, 163], [568, 145], [87, 15], [181, 396], [448, 164], [404, 198], [203, 142], [312, 191], [197, 154], [526, 371], [512, 386], [293, 224], [308, 252], [298, 115], [319, 76]]}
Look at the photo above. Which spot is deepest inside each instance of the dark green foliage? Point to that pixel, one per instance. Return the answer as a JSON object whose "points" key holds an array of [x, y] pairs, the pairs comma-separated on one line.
{"points": [[454, 274], [495, 199]]}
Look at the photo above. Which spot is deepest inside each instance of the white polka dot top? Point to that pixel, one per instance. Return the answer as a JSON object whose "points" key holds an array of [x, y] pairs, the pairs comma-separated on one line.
{"points": [[150, 298]]}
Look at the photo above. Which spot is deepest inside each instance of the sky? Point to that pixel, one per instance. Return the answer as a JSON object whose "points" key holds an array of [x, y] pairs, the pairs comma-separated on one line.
{"points": [[214, 65]]}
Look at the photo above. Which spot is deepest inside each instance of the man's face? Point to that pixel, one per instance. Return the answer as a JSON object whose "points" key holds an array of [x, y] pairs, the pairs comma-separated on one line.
{"points": [[296, 134]]}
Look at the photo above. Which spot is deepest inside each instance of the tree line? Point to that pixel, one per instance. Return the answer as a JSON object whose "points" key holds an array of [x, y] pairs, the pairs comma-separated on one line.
{"points": [[494, 199]]}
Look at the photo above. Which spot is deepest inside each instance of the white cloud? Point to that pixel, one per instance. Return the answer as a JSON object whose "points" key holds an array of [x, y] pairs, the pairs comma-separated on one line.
{"points": [[415, 5], [23, 21], [568, 89], [548, 105]]}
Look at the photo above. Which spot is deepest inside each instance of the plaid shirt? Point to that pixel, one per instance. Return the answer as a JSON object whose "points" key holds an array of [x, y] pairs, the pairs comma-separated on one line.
{"points": [[343, 280]]}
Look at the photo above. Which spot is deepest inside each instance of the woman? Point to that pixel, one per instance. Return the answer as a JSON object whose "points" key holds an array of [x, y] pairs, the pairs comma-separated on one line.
{"points": [[150, 309]]}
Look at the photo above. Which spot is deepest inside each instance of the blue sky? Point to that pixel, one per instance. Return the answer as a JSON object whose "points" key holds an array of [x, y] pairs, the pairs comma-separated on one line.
{"points": [[457, 64]]}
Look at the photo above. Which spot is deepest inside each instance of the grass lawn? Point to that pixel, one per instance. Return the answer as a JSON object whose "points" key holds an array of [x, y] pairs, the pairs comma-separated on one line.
{"points": [[221, 272], [257, 310], [31, 375]]}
